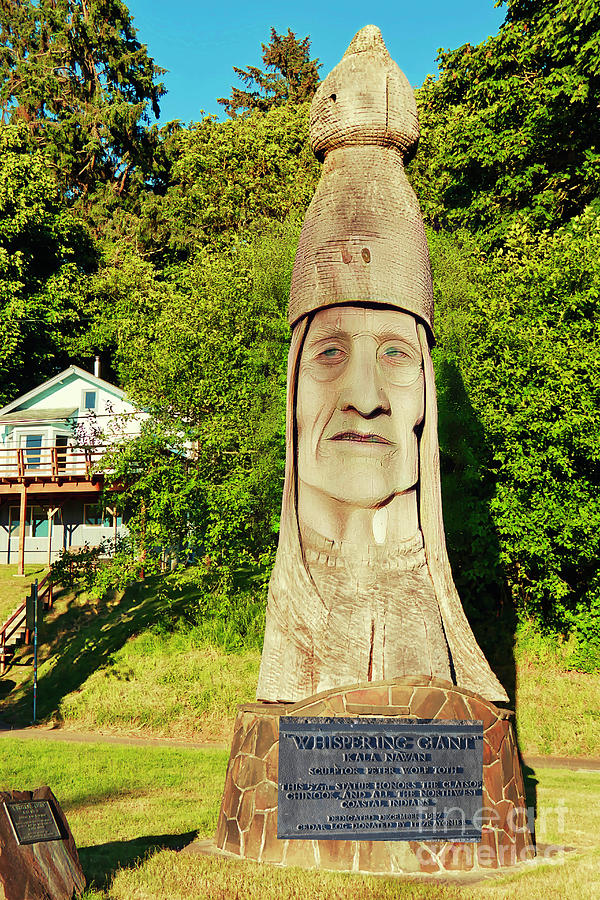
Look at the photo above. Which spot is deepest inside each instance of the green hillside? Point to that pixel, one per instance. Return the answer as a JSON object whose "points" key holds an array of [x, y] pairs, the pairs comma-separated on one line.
{"points": [[112, 664], [117, 665]]}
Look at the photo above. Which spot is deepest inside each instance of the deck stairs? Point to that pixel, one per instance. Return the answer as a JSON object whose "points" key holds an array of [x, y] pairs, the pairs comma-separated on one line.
{"points": [[14, 631]]}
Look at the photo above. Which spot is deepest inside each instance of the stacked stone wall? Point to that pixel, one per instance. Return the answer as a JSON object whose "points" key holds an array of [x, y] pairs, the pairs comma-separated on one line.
{"points": [[248, 819]]}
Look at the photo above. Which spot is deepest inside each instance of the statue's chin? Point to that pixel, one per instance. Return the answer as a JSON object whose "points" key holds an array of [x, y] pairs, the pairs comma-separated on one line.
{"points": [[355, 489], [351, 496]]}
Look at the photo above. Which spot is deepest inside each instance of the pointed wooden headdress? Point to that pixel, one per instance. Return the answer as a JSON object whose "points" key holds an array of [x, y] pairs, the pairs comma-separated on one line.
{"points": [[363, 236]]}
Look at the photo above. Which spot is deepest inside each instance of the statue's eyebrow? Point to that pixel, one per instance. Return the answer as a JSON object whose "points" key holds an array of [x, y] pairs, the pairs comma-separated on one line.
{"points": [[322, 332], [391, 334], [333, 330]]}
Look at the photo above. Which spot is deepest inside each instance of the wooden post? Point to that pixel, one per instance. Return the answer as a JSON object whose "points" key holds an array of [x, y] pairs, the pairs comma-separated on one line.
{"points": [[50, 521], [52, 510], [22, 521], [34, 591], [143, 536]]}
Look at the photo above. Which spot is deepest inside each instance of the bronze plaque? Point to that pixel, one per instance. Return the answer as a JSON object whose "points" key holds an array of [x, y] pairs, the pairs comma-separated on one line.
{"points": [[32, 821], [380, 779]]}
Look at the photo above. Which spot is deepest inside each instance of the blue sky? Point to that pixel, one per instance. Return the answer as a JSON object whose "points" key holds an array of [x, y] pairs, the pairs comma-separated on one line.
{"points": [[199, 42]]}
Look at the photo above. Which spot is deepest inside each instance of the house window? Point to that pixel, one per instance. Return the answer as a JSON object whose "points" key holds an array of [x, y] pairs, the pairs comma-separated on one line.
{"points": [[95, 516], [33, 450], [36, 521], [90, 399]]}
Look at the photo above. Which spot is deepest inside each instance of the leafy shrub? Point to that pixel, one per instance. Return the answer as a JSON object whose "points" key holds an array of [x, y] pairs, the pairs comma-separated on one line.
{"points": [[77, 566], [216, 608]]}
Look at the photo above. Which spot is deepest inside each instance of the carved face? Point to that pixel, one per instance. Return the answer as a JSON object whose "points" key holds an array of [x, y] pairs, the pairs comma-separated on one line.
{"points": [[360, 399]]}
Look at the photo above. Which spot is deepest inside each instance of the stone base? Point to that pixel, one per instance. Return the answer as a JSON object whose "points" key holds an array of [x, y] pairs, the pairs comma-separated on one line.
{"points": [[248, 819]]}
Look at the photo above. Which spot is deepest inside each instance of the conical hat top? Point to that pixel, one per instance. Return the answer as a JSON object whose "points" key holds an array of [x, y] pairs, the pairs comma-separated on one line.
{"points": [[363, 238], [365, 100]]}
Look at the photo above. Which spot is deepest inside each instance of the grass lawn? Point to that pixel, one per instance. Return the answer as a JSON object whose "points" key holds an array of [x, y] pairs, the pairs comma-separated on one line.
{"points": [[558, 712], [131, 808], [14, 588], [168, 685]]}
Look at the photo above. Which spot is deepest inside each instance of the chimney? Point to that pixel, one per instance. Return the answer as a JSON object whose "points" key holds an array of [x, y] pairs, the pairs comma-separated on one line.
{"points": [[97, 366]]}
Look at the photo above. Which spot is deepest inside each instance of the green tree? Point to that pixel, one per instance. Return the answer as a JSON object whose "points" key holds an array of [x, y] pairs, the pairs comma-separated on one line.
{"points": [[45, 257], [512, 125], [520, 329], [218, 180], [293, 76], [75, 73], [206, 348]]}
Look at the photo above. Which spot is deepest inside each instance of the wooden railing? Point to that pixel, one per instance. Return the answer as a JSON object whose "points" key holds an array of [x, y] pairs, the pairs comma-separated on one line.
{"points": [[56, 462], [18, 621], [13, 625], [46, 595]]}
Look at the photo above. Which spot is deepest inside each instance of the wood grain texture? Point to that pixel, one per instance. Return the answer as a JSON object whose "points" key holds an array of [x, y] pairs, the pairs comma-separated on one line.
{"points": [[366, 99], [363, 235], [363, 242], [310, 646]]}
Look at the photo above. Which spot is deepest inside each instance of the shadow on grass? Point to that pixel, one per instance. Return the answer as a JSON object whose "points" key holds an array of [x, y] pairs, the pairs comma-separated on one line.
{"points": [[531, 783], [6, 686], [102, 861], [77, 640]]}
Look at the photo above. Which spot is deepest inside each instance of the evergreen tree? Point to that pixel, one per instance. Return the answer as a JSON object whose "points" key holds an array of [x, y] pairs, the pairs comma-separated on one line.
{"points": [[45, 257], [293, 78], [74, 71]]}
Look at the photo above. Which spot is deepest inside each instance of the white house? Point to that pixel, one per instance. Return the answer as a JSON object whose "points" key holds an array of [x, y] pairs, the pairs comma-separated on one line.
{"points": [[51, 441]]}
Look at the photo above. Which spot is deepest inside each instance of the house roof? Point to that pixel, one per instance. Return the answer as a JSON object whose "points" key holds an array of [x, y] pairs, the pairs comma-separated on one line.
{"points": [[23, 416], [56, 380]]}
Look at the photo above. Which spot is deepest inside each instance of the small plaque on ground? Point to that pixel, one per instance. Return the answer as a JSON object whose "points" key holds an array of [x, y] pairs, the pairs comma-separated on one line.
{"points": [[32, 821], [380, 779]]}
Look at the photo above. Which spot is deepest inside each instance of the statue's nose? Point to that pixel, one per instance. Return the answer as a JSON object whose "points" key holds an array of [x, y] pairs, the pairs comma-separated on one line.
{"points": [[364, 388]]}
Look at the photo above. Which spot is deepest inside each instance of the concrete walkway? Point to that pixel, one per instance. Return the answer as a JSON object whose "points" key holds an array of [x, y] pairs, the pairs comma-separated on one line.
{"points": [[577, 763], [43, 732]]}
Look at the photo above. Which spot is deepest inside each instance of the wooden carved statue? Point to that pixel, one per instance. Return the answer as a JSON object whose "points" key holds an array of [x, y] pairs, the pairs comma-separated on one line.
{"points": [[362, 588]]}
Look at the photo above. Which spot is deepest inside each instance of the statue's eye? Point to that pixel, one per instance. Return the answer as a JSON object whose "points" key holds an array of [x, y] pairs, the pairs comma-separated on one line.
{"points": [[399, 363], [332, 354], [395, 354]]}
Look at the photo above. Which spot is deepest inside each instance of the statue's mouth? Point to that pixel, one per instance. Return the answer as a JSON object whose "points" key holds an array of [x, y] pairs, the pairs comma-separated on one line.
{"points": [[359, 438]]}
